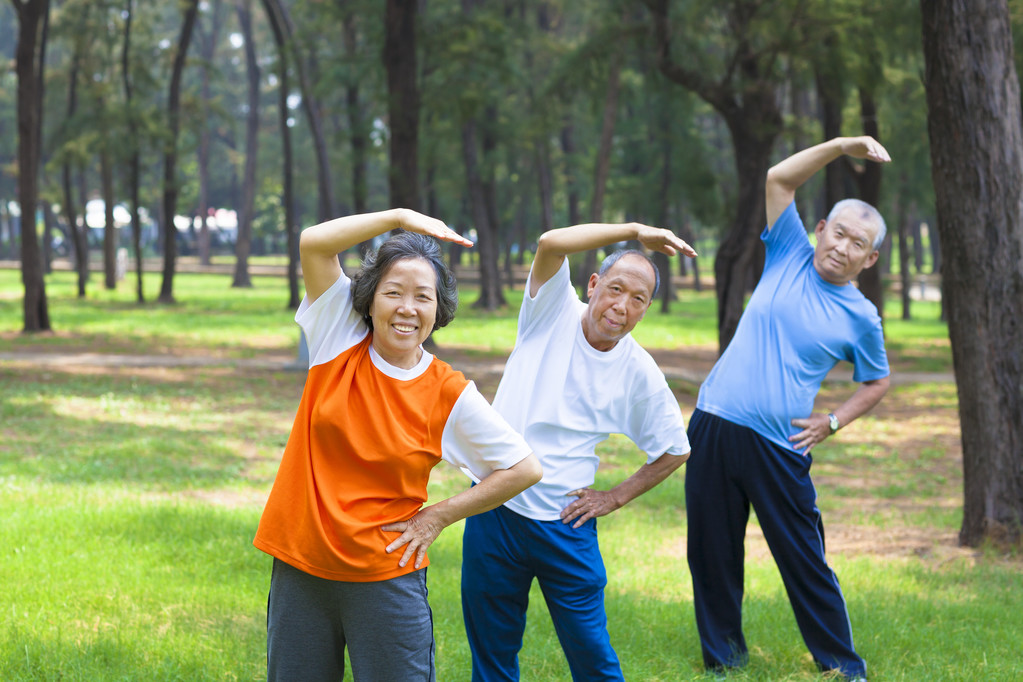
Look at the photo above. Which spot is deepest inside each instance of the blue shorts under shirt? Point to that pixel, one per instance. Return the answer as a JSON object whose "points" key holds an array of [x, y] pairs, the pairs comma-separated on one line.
{"points": [[795, 329]]}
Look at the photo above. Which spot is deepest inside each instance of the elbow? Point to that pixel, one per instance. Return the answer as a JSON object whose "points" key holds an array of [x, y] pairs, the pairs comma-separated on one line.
{"points": [[882, 386], [531, 470], [543, 243]]}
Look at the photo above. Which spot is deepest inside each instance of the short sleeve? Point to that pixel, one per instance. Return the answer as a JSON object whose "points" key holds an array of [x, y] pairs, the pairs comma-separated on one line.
{"points": [[478, 439], [656, 426], [787, 238], [553, 295], [870, 361], [330, 323]]}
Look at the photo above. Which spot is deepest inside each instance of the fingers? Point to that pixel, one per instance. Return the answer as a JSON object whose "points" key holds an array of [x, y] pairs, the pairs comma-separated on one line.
{"points": [[866, 147], [413, 221]]}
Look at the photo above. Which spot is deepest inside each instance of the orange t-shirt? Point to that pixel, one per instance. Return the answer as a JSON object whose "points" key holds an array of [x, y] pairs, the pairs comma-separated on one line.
{"points": [[359, 457]]}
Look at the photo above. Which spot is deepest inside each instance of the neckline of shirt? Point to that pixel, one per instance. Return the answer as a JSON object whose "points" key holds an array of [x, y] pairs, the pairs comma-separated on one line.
{"points": [[400, 373]]}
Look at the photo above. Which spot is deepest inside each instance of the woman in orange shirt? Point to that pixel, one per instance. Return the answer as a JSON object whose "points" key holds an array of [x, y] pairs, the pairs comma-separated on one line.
{"points": [[345, 520]]}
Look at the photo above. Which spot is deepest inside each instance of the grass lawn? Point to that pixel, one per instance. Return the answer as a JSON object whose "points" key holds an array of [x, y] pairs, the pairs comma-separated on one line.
{"points": [[130, 497]]}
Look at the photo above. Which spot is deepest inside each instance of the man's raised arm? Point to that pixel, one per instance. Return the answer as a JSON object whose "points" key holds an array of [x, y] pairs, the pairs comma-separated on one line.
{"points": [[555, 245], [787, 176]]}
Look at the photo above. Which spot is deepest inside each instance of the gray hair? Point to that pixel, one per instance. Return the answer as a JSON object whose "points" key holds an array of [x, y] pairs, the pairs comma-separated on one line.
{"points": [[615, 256], [866, 211], [402, 246]]}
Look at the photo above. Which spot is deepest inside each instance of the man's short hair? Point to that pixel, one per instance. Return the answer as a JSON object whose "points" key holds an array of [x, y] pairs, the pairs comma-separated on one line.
{"points": [[402, 246], [615, 256], [864, 210]]}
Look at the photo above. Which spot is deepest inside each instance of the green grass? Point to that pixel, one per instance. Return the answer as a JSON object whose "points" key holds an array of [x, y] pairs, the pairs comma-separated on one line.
{"points": [[129, 498]]}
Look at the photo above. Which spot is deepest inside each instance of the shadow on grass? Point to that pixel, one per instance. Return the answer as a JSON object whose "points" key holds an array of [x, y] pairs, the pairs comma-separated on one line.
{"points": [[201, 429]]}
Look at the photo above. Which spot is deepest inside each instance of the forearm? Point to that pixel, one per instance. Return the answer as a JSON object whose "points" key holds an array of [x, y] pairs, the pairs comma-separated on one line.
{"points": [[790, 174], [862, 401], [331, 237], [491, 492], [647, 477], [568, 240]]}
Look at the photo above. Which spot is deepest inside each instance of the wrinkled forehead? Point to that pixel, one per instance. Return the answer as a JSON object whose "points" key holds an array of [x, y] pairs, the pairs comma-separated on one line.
{"points": [[633, 269], [857, 220]]}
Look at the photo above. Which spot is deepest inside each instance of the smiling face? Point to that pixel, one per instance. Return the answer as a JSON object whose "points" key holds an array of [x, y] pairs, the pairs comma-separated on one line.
{"points": [[403, 311], [618, 300], [845, 246]]}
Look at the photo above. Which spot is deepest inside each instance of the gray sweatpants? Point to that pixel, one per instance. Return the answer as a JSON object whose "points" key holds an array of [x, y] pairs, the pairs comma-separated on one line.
{"points": [[386, 625]]}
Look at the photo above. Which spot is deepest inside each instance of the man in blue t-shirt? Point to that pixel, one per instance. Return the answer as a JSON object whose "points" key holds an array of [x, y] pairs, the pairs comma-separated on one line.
{"points": [[755, 422]]}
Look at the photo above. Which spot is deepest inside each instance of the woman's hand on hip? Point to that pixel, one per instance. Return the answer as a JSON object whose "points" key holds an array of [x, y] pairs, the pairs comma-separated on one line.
{"points": [[417, 534]]}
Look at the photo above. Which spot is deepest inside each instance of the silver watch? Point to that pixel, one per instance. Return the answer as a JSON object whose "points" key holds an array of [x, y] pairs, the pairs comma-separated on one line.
{"points": [[832, 422]]}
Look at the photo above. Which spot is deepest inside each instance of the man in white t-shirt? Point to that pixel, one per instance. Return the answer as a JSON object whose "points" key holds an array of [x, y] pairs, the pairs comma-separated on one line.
{"points": [[576, 376]]}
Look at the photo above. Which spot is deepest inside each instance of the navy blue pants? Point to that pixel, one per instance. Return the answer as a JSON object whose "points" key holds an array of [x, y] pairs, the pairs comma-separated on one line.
{"points": [[731, 468], [501, 554]]}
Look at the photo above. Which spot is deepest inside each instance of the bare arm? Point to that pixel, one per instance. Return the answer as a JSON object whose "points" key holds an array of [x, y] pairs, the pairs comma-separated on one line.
{"points": [[789, 175], [421, 530], [817, 427], [555, 245], [320, 244], [594, 503]]}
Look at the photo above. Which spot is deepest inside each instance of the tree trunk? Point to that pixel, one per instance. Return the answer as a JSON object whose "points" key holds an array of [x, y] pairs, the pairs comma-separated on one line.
{"points": [[868, 180], [170, 180], [243, 246], [134, 160], [661, 260], [830, 97], [602, 167], [904, 217], [30, 53], [106, 173], [209, 49], [486, 240], [402, 102], [356, 120], [975, 126], [571, 185], [80, 249], [324, 184], [737, 256], [288, 199], [751, 111]]}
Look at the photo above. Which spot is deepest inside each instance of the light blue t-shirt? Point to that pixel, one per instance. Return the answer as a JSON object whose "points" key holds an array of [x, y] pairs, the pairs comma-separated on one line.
{"points": [[796, 328]]}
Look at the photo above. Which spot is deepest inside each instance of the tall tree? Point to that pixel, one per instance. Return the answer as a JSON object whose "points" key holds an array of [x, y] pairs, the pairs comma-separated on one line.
{"points": [[247, 211], [208, 41], [402, 101], [170, 157], [78, 233], [975, 126], [134, 151], [324, 184], [287, 195], [30, 57], [739, 78]]}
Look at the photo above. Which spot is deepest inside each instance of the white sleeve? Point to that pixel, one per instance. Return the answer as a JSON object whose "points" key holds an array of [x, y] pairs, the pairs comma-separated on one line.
{"points": [[656, 426], [478, 439], [553, 295], [330, 323]]}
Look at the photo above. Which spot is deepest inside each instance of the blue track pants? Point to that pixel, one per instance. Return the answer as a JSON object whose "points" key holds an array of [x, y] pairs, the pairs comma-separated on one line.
{"points": [[731, 468], [501, 554]]}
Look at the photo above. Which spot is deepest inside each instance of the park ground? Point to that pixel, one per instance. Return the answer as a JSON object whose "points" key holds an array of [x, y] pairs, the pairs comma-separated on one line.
{"points": [[138, 445]]}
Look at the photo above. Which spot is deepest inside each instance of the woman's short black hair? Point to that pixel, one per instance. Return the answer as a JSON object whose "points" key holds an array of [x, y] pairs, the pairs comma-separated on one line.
{"points": [[401, 246]]}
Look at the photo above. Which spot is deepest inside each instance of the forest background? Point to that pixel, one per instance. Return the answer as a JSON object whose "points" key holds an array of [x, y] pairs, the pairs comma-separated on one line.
{"points": [[162, 138]]}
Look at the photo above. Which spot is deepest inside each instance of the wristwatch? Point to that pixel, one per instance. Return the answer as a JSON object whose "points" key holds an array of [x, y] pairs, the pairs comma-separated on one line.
{"points": [[832, 422]]}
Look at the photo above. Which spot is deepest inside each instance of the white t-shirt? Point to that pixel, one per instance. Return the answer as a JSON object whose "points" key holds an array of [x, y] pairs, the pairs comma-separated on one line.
{"points": [[566, 397], [475, 436]]}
